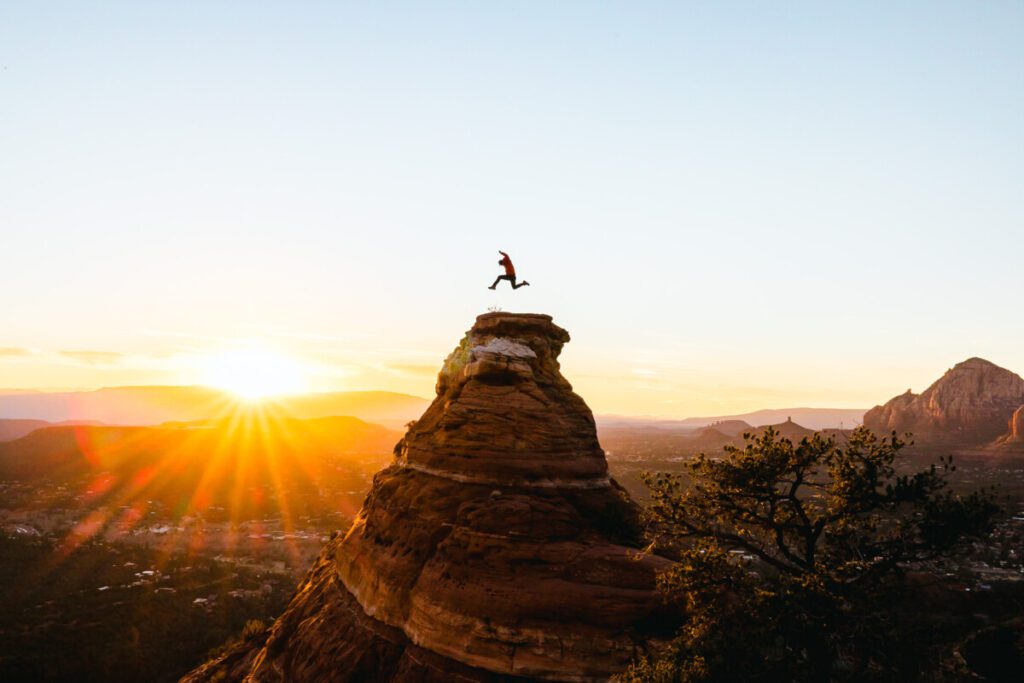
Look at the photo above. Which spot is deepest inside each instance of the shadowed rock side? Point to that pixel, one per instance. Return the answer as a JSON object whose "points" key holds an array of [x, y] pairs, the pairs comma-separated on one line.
{"points": [[969, 405], [495, 548]]}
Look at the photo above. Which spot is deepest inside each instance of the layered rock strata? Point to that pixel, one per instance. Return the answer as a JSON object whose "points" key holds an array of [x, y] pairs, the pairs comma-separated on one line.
{"points": [[495, 548]]}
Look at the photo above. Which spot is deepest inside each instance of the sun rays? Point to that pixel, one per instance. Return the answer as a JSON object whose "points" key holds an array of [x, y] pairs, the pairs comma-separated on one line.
{"points": [[250, 476], [254, 374]]}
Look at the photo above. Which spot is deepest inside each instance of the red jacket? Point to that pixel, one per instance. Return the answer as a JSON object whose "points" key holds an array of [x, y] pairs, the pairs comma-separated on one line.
{"points": [[507, 262]]}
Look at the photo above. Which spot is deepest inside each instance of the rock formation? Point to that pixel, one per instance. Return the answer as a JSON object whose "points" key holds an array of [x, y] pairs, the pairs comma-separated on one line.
{"points": [[786, 430], [968, 406], [495, 548], [731, 433], [1014, 437], [1017, 425], [729, 428]]}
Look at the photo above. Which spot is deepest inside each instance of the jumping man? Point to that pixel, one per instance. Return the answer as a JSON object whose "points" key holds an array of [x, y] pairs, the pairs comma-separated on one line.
{"points": [[510, 273]]}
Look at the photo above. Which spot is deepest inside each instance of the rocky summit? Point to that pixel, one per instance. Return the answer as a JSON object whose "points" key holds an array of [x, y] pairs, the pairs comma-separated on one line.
{"points": [[495, 548], [970, 405]]}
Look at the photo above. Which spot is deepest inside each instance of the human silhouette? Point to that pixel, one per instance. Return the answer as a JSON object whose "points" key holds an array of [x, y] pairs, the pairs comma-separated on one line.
{"points": [[510, 273]]}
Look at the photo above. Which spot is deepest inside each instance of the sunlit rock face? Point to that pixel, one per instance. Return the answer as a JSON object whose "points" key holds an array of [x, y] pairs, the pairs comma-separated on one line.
{"points": [[969, 405], [1017, 425], [504, 415], [1014, 437], [495, 548]]}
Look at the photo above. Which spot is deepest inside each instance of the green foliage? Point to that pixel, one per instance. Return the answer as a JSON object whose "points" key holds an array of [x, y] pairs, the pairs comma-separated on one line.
{"points": [[790, 554], [458, 358]]}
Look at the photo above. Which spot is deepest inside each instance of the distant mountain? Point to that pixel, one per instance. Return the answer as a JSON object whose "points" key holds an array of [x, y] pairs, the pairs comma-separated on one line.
{"points": [[15, 429], [970, 405], [789, 430], [151, 405], [729, 427], [250, 464], [715, 436], [387, 408], [730, 433], [813, 418], [712, 434]]}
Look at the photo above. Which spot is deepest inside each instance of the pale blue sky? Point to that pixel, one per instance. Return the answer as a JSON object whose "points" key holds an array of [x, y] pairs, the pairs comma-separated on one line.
{"points": [[729, 205]]}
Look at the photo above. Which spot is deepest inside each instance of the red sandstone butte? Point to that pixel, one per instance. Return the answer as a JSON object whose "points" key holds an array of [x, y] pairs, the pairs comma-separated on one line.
{"points": [[970, 405], [494, 548]]}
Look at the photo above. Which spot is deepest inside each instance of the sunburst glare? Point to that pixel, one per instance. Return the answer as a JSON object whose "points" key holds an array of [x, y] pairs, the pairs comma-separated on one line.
{"points": [[254, 374]]}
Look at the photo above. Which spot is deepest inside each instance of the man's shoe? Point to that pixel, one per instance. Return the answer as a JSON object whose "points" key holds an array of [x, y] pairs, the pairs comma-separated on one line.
{"points": [[525, 283], [493, 287]]}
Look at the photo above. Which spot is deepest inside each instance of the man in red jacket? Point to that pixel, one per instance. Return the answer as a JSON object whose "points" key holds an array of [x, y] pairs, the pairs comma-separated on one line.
{"points": [[510, 273]]}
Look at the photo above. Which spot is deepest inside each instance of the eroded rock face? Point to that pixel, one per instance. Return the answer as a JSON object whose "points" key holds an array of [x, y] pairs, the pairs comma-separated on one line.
{"points": [[969, 405], [1017, 425], [496, 547], [1014, 437]]}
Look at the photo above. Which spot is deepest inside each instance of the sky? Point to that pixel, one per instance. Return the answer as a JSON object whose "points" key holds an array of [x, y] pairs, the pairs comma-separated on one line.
{"points": [[730, 206]]}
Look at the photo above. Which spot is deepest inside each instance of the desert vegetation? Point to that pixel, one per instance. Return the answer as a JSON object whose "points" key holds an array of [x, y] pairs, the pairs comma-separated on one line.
{"points": [[807, 561]]}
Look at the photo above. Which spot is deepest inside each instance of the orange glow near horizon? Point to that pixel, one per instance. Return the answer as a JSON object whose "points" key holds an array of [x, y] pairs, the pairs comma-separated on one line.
{"points": [[254, 374], [249, 461]]}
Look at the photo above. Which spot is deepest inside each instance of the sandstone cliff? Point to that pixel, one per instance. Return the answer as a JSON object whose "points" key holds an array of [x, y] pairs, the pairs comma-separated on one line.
{"points": [[1014, 437], [968, 406], [495, 548]]}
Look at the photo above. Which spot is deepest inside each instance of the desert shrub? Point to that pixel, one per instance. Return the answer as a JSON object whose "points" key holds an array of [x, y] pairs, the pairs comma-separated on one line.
{"points": [[253, 629], [792, 557]]}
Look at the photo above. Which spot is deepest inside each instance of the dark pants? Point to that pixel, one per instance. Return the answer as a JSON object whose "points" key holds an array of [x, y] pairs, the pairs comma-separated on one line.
{"points": [[510, 278]]}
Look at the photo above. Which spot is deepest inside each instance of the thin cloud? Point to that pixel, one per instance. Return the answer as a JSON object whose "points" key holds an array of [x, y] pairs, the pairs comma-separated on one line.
{"points": [[93, 357], [14, 352]]}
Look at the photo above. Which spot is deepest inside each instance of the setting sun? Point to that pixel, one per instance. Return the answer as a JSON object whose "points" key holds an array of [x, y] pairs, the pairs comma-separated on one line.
{"points": [[254, 374]]}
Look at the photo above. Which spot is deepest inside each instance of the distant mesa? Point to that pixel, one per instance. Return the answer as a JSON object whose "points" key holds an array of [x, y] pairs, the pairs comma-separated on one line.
{"points": [[495, 548], [721, 433], [11, 430], [812, 418], [15, 429], [154, 405], [181, 451], [969, 406], [728, 428], [713, 434], [734, 430]]}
